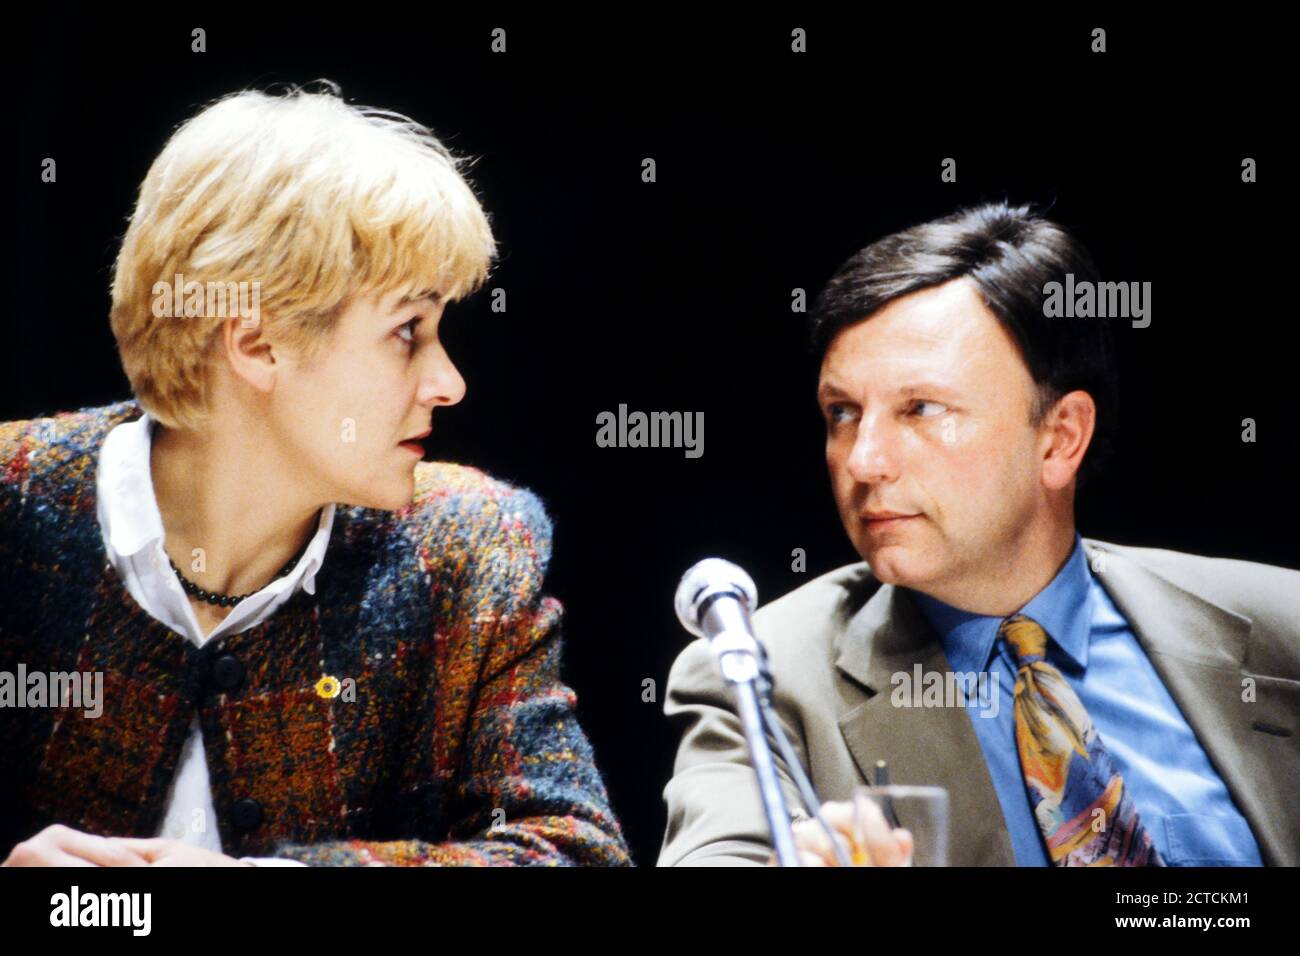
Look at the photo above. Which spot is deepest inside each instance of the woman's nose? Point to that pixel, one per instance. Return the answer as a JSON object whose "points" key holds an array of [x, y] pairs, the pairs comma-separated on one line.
{"points": [[443, 385]]}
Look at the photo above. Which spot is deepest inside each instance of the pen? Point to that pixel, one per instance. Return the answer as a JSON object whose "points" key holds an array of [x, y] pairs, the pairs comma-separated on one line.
{"points": [[882, 780]]}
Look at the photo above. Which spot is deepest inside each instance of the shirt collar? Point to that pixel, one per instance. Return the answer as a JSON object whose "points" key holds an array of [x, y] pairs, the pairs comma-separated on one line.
{"points": [[128, 509], [1061, 609]]}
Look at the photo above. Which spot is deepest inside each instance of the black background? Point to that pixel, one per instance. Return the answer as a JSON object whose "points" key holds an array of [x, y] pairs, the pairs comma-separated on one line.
{"points": [[675, 296]]}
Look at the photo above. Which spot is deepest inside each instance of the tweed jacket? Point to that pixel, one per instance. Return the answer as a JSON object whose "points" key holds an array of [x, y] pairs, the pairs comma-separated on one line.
{"points": [[410, 712]]}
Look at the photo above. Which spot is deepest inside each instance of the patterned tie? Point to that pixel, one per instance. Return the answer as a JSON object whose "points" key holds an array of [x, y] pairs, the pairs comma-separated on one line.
{"points": [[1086, 816]]}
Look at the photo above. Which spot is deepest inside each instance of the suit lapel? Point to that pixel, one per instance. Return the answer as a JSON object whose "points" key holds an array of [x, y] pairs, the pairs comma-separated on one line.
{"points": [[1202, 653], [920, 745]]}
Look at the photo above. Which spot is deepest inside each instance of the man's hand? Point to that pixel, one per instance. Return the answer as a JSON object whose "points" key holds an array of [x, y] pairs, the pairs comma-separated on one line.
{"points": [[58, 845], [163, 852], [870, 843]]}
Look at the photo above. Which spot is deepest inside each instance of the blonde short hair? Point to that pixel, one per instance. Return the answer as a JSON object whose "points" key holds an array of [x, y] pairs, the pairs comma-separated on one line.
{"points": [[314, 199]]}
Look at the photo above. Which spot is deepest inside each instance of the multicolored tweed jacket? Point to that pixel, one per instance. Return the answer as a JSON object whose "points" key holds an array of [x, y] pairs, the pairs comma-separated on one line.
{"points": [[461, 746]]}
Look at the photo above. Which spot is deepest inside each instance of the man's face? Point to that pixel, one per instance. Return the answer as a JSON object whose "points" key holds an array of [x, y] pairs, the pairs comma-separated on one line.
{"points": [[927, 407], [372, 386]]}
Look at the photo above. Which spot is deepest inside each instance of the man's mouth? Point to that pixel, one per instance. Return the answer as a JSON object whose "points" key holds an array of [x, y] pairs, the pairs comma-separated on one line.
{"points": [[885, 519]]}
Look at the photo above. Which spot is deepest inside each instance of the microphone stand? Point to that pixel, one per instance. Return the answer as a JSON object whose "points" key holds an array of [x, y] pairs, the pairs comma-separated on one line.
{"points": [[767, 711], [738, 660], [713, 602]]}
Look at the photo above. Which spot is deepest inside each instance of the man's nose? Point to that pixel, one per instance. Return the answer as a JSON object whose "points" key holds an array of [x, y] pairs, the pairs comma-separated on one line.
{"points": [[874, 456], [441, 383]]}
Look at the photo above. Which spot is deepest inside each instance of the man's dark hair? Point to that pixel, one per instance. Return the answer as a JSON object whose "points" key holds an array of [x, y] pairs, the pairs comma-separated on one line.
{"points": [[1010, 252]]}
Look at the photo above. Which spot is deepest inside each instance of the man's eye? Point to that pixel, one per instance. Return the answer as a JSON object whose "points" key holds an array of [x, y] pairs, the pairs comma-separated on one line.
{"points": [[837, 413], [922, 402]]}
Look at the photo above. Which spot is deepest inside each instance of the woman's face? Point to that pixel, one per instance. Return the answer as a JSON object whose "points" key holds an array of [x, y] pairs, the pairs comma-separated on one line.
{"points": [[373, 386]]}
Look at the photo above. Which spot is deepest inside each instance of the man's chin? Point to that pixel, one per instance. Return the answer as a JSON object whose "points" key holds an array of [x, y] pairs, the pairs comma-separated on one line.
{"points": [[891, 564]]}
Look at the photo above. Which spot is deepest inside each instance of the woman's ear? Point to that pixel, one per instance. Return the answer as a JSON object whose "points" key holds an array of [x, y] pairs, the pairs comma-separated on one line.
{"points": [[250, 353]]}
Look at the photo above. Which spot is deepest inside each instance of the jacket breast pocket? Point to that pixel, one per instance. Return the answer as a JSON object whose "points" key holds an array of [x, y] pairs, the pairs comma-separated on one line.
{"points": [[1197, 839]]}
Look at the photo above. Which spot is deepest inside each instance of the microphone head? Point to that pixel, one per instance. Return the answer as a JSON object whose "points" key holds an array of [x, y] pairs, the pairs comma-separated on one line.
{"points": [[706, 580]]}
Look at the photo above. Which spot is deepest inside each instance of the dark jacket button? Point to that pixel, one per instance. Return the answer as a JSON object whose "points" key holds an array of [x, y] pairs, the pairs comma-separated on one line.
{"points": [[246, 814], [227, 672]]}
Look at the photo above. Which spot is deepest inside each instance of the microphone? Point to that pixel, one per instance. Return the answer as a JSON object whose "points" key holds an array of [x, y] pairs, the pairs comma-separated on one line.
{"points": [[714, 601]]}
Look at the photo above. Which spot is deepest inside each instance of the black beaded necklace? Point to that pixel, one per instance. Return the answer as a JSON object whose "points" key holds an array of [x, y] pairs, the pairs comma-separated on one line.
{"points": [[230, 600]]}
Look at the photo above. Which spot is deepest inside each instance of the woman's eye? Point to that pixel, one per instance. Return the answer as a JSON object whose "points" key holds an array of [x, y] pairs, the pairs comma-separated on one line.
{"points": [[921, 403], [408, 326]]}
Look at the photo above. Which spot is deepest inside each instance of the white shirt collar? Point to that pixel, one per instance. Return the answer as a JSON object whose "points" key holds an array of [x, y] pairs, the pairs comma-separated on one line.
{"points": [[128, 509]]}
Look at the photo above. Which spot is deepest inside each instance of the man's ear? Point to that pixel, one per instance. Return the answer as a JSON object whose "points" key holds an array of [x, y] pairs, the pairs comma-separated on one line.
{"points": [[250, 354], [1067, 431]]}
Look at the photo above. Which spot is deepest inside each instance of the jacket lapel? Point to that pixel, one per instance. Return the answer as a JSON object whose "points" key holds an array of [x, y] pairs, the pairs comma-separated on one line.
{"points": [[921, 745], [1203, 654]]}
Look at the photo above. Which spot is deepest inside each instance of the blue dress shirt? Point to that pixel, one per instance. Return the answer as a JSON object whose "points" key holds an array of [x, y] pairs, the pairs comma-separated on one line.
{"points": [[1181, 800]]}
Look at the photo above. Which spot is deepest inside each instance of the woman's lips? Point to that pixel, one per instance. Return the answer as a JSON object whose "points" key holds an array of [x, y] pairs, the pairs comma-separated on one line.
{"points": [[414, 446]]}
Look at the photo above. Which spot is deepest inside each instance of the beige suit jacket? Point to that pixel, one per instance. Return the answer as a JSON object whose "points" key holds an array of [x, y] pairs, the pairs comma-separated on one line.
{"points": [[1207, 624]]}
